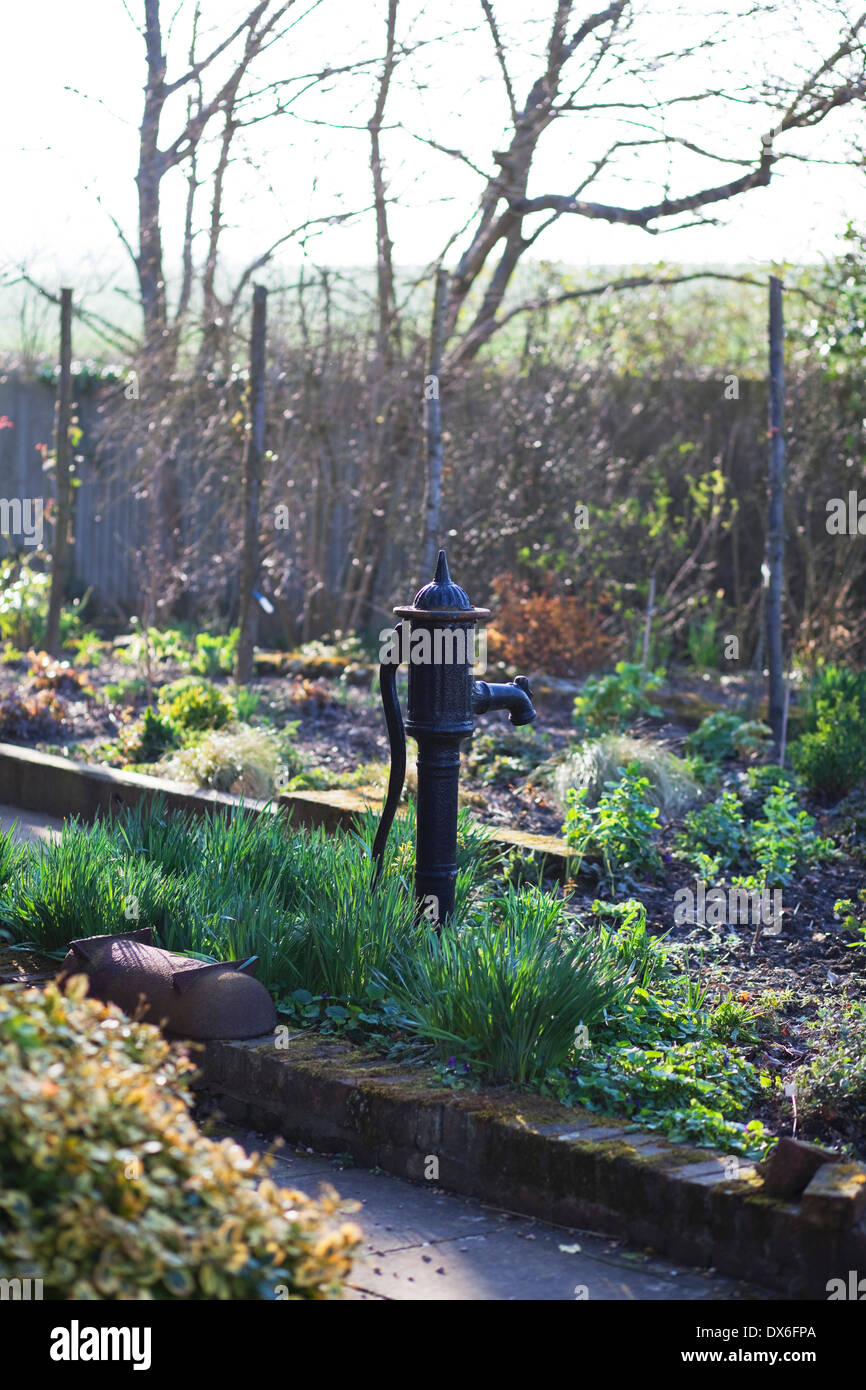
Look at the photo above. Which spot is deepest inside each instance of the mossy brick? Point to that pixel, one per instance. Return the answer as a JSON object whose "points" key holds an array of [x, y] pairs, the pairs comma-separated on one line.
{"points": [[507, 1148], [790, 1166], [836, 1196]]}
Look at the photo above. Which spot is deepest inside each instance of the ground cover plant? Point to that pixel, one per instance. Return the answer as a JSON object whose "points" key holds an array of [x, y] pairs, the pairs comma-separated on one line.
{"points": [[520, 990], [110, 1191], [701, 803]]}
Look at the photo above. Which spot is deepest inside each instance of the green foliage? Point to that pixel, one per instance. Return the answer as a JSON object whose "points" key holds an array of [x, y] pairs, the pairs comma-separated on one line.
{"points": [[661, 1066], [193, 703], [853, 914], [715, 837], [762, 779], [779, 842], [832, 683], [24, 594], [644, 955], [732, 1019], [509, 986], [12, 857], [148, 738], [88, 648], [703, 642], [784, 840], [615, 700], [831, 1085], [726, 735], [125, 692], [109, 1191], [831, 758], [82, 885], [152, 645], [617, 835], [246, 702], [215, 655]]}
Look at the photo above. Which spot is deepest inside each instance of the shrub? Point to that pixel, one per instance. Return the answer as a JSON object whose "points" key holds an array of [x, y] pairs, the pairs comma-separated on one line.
{"points": [[29, 717], [240, 760], [619, 833], [831, 758], [726, 735], [109, 1191], [593, 764], [193, 703], [148, 738], [215, 655], [832, 684], [615, 700], [559, 634], [510, 987]]}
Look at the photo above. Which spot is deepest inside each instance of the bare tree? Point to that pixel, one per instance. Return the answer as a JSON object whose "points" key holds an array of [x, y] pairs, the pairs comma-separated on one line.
{"points": [[251, 489], [505, 224], [388, 330]]}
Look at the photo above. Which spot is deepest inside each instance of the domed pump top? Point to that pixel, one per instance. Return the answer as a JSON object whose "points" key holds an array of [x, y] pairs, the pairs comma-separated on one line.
{"points": [[442, 599]]}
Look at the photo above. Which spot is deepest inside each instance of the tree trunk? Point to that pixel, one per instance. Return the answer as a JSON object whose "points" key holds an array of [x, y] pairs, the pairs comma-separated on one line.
{"points": [[433, 405], [251, 489], [776, 516], [63, 480]]}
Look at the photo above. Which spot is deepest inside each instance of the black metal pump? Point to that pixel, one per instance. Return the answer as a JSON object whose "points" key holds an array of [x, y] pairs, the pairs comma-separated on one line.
{"points": [[436, 637]]}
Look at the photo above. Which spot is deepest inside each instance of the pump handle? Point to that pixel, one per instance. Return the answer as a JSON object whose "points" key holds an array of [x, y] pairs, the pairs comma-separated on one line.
{"points": [[397, 742]]}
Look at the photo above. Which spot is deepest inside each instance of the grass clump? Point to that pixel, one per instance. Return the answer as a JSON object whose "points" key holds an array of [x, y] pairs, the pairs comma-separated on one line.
{"points": [[509, 987], [593, 764], [242, 759]]}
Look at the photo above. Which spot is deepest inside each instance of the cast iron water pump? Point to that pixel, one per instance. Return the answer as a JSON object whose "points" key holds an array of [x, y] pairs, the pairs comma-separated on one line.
{"points": [[436, 637]]}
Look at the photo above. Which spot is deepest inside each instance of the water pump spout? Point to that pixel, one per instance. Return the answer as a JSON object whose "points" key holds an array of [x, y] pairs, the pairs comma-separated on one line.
{"points": [[515, 696]]}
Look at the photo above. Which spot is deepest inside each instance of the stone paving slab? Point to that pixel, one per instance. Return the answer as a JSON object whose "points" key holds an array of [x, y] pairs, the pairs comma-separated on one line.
{"points": [[425, 1245], [30, 826]]}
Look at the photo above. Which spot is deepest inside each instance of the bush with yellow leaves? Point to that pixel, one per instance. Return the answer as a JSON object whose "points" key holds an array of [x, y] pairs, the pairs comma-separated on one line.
{"points": [[108, 1190]]}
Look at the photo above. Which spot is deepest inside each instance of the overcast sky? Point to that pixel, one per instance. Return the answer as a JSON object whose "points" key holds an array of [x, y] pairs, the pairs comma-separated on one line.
{"points": [[63, 149]]}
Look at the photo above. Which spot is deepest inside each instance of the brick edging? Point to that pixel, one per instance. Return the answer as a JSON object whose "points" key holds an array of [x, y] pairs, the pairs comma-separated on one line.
{"points": [[538, 1158], [52, 786]]}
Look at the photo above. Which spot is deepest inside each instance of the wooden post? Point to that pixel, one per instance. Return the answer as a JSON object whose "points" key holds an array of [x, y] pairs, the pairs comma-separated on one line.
{"points": [[251, 490], [776, 516], [647, 631], [62, 480], [433, 416]]}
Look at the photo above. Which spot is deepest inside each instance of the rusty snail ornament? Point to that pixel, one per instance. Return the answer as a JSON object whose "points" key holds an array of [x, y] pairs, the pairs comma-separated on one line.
{"points": [[189, 998], [443, 698]]}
